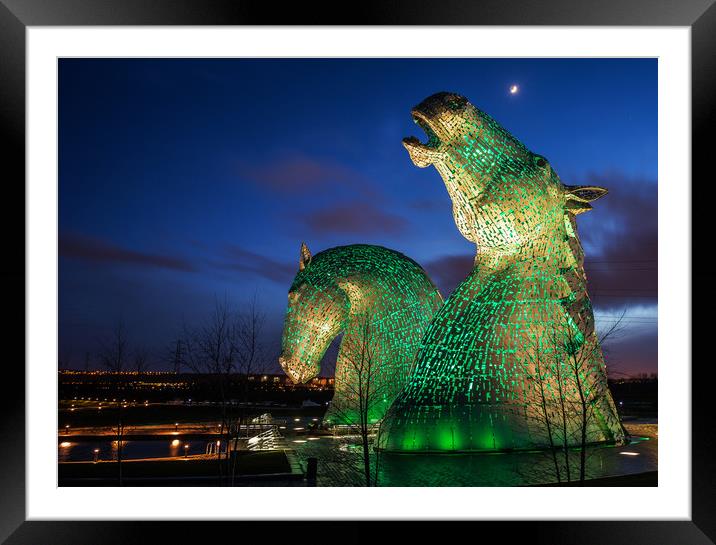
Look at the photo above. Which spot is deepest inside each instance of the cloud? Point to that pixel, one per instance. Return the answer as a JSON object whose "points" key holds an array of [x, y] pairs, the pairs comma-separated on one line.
{"points": [[448, 271], [429, 205], [360, 218], [626, 323], [240, 259], [620, 239], [632, 353], [299, 173], [84, 248]]}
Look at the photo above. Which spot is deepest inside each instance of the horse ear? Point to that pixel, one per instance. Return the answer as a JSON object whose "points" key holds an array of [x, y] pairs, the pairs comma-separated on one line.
{"points": [[578, 197], [584, 193], [305, 258]]}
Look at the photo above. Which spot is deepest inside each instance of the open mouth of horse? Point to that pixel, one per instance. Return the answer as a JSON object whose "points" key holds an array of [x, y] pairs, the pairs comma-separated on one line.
{"points": [[422, 154], [422, 121], [294, 374]]}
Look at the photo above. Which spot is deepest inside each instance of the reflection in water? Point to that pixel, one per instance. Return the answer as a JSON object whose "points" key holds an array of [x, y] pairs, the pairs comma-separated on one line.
{"points": [[513, 469], [70, 451]]}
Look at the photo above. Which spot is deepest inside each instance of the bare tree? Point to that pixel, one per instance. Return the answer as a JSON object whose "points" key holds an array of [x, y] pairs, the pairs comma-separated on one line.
{"points": [[587, 373], [173, 353], [249, 350], [366, 382], [567, 378], [113, 355], [209, 349], [65, 360], [539, 378], [613, 328], [177, 357], [141, 359], [250, 357], [227, 347]]}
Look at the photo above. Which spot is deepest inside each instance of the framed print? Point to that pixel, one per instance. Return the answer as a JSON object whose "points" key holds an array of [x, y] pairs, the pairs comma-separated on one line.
{"points": [[419, 265]]}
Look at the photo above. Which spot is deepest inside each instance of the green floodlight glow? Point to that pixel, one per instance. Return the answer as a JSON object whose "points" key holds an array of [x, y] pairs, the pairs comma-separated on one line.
{"points": [[333, 293], [511, 360]]}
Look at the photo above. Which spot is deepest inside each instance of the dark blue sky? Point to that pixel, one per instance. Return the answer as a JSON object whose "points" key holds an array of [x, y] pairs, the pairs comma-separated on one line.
{"points": [[183, 180]]}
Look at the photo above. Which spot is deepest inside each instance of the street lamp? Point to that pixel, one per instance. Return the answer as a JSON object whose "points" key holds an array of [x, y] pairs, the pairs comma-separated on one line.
{"points": [[176, 426], [186, 449], [67, 429], [96, 455]]}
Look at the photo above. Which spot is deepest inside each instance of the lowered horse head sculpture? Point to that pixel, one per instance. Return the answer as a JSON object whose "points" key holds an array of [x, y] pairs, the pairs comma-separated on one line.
{"points": [[379, 300]]}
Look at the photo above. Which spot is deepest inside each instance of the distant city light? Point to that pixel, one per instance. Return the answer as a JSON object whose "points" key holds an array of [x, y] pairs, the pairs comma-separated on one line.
{"points": [[65, 444], [175, 443]]}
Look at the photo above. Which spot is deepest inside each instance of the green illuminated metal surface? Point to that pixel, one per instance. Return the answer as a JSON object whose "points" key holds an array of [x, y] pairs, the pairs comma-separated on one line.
{"points": [[332, 293], [511, 361]]}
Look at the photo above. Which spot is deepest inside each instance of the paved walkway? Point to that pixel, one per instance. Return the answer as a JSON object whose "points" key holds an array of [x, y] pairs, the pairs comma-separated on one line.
{"points": [[340, 460], [340, 463]]}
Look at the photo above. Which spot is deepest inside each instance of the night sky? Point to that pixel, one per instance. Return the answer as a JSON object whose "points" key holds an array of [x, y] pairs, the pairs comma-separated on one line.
{"points": [[184, 181]]}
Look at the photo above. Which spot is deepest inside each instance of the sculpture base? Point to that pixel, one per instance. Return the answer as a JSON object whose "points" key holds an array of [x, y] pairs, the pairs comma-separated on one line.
{"points": [[489, 428]]}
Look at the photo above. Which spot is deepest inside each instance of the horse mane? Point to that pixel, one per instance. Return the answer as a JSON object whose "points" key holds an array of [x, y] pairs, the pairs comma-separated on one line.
{"points": [[577, 304]]}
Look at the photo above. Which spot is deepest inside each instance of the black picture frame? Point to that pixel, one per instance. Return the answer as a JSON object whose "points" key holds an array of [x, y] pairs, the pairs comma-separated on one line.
{"points": [[16, 15]]}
